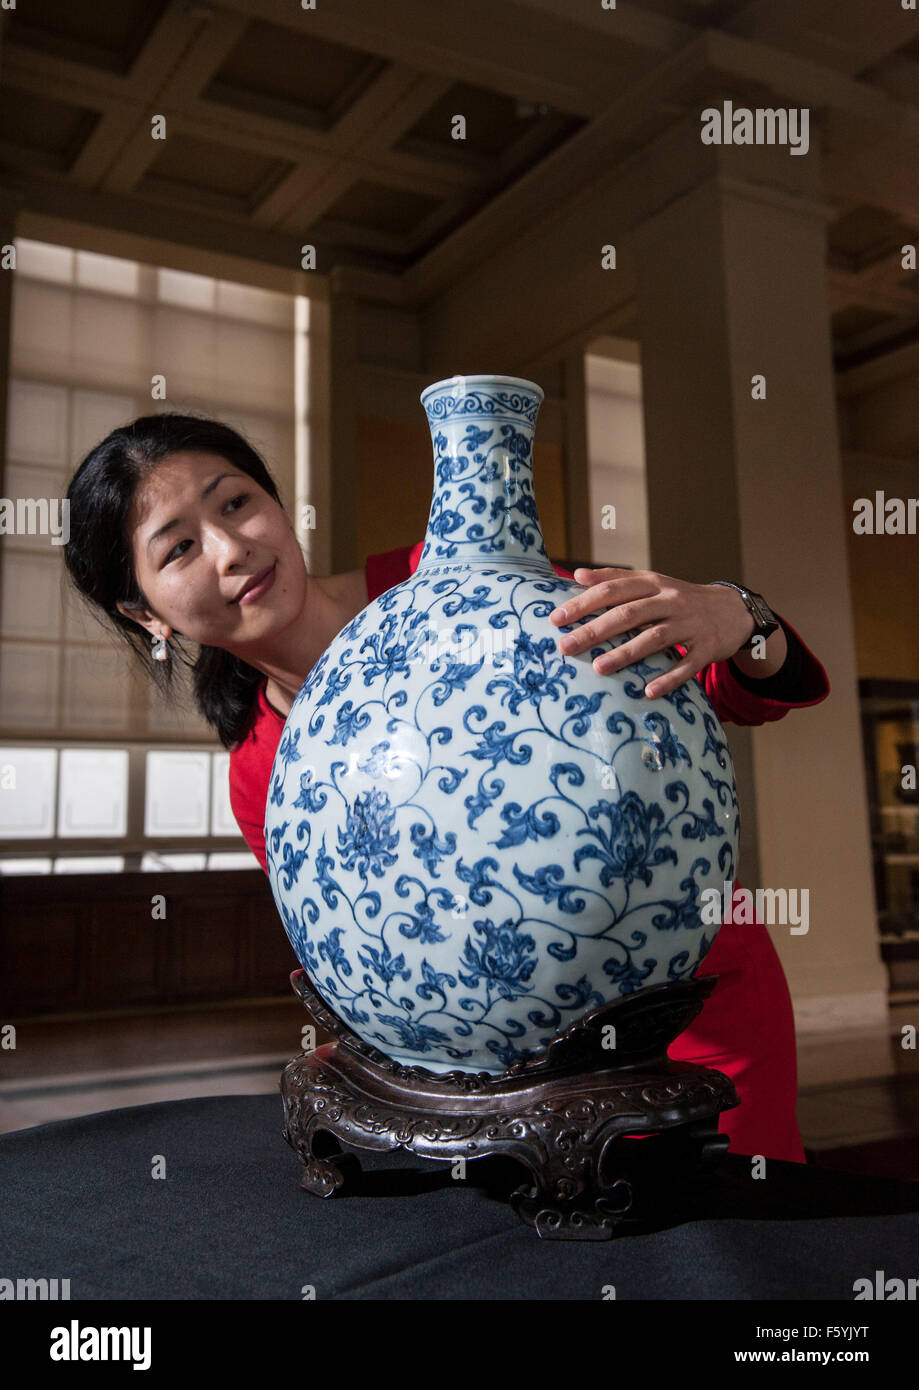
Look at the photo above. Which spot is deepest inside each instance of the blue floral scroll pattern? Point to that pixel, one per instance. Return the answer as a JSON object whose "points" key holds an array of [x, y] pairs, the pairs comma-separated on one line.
{"points": [[470, 849], [467, 514]]}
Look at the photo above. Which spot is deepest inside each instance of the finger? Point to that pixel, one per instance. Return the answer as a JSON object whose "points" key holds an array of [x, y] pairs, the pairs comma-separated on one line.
{"points": [[603, 569], [674, 678], [595, 576], [647, 643], [640, 613], [616, 589]]}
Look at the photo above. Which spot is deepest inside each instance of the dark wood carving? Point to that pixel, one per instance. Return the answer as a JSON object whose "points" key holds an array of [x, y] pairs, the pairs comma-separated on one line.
{"points": [[568, 1116]]}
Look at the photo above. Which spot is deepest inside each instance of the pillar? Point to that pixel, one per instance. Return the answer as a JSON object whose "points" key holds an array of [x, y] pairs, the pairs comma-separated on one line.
{"points": [[333, 405], [11, 203], [732, 283]]}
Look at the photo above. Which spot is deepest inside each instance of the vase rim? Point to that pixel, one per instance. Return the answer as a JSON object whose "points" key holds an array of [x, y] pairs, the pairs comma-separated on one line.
{"points": [[458, 383]]}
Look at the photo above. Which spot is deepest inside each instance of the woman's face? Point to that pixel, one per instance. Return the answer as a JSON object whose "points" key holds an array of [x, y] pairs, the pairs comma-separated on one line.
{"points": [[227, 529]]}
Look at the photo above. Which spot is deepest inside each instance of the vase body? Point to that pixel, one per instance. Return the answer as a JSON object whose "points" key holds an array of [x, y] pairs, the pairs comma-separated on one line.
{"points": [[473, 840]]}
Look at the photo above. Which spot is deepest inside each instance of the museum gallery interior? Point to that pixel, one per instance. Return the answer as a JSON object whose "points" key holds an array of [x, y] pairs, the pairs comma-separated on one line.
{"points": [[631, 292]]}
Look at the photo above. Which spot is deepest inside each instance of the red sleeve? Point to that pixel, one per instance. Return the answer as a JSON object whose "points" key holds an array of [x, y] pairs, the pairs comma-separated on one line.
{"points": [[246, 783], [734, 704], [390, 567]]}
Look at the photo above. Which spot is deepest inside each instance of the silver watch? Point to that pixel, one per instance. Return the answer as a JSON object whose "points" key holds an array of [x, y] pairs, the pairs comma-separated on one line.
{"points": [[763, 616]]}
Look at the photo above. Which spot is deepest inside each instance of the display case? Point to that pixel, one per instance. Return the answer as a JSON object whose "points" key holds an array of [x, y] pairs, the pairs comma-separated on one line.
{"points": [[890, 724]]}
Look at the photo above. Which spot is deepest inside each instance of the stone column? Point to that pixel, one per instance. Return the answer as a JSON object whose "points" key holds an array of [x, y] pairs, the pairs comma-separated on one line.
{"points": [[732, 283], [11, 203], [333, 405], [10, 207]]}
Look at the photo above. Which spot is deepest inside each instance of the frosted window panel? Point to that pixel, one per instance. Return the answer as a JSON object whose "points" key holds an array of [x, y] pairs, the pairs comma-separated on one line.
{"points": [[25, 866], [255, 367], [184, 347], [31, 480], [28, 785], [95, 415], [232, 859], [109, 273], [43, 261], [42, 339], [176, 715], [257, 429], [255, 305], [96, 686], [223, 822], [28, 685], [181, 287], [112, 340], [177, 793], [78, 621], [90, 864], [30, 599], [175, 863], [38, 423], [93, 792]]}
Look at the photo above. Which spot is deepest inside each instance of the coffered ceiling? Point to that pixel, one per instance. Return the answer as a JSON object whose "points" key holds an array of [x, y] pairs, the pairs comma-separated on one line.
{"points": [[334, 126]]}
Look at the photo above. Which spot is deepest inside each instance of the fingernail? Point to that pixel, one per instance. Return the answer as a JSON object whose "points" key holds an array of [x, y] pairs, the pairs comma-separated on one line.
{"points": [[559, 615]]}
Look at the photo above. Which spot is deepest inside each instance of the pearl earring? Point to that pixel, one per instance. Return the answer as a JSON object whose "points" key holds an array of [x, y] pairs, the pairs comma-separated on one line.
{"points": [[160, 648]]}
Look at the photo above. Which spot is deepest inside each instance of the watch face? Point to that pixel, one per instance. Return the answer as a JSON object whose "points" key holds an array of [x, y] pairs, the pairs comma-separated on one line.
{"points": [[764, 612]]}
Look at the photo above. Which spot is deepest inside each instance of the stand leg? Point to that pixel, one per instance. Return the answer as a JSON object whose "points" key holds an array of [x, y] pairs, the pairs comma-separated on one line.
{"points": [[326, 1167]]}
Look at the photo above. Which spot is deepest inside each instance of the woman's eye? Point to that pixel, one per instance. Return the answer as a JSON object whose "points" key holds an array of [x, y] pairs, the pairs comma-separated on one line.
{"points": [[242, 497], [172, 554]]}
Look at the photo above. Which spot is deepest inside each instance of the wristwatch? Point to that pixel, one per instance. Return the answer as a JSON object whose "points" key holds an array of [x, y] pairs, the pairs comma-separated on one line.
{"points": [[766, 621]]}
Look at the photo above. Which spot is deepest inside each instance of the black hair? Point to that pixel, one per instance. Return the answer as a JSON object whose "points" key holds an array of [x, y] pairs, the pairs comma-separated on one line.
{"points": [[99, 557]]}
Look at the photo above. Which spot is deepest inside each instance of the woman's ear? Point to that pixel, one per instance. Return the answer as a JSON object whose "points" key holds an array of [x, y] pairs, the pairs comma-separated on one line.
{"points": [[138, 614]]}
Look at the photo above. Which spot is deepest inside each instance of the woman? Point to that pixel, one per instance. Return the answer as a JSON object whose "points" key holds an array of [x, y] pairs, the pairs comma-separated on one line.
{"points": [[176, 530]]}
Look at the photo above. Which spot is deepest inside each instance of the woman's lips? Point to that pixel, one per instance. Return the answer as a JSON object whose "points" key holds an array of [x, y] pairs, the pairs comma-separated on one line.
{"points": [[259, 589]]}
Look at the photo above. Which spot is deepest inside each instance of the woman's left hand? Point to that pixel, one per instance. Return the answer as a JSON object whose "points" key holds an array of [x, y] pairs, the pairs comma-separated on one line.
{"points": [[712, 623]]}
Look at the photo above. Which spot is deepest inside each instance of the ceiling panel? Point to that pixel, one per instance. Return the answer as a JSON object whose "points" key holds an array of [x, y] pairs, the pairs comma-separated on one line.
{"points": [[292, 75], [107, 34], [48, 131], [199, 165]]}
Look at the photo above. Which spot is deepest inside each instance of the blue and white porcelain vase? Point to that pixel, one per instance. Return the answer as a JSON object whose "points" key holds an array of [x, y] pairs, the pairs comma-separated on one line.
{"points": [[472, 839]]}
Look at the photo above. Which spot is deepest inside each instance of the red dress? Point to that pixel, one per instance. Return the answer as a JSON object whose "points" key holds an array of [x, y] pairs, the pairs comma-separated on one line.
{"points": [[746, 1027]]}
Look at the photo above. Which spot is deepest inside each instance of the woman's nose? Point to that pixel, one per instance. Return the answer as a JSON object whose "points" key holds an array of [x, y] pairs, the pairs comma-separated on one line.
{"points": [[229, 548]]}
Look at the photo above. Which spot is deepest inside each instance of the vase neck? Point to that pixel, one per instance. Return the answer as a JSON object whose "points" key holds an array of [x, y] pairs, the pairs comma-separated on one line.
{"points": [[483, 507]]}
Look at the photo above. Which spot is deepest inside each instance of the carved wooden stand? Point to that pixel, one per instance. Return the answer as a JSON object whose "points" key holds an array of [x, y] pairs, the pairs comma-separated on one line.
{"points": [[567, 1116]]}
